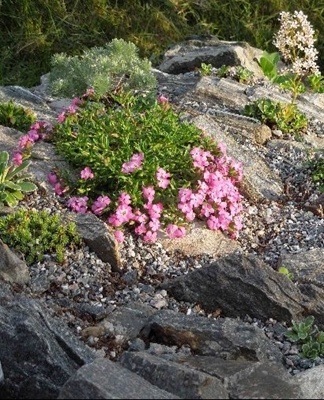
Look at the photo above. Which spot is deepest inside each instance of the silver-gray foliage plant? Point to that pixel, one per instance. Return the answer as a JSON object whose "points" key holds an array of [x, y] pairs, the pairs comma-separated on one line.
{"points": [[101, 68]]}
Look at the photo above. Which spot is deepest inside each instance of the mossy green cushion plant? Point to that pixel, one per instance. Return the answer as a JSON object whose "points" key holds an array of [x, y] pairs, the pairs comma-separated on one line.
{"points": [[15, 116], [103, 69], [36, 233]]}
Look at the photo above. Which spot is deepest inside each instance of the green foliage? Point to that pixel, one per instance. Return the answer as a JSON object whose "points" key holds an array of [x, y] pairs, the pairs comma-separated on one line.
{"points": [[310, 339], [36, 233], [101, 68], [15, 116], [315, 83], [205, 69], [32, 31], [13, 183], [239, 73], [317, 169], [285, 271], [105, 137], [285, 117]]}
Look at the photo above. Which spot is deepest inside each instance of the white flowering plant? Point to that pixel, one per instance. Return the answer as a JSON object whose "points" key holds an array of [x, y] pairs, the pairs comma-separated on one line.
{"points": [[295, 41]]}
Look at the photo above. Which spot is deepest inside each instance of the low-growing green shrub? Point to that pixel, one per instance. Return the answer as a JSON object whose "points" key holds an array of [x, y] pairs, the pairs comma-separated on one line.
{"points": [[36, 233], [101, 68], [15, 116], [285, 117], [141, 156]]}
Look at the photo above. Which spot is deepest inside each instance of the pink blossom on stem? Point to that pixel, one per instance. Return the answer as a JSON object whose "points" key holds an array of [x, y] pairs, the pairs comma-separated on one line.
{"points": [[59, 189], [61, 117], [133, 164], [163, 178], [100, 204], [119, 236], [163, 99], [78, 204], [17, 158], [175, 231], [86, 173], [52, 178], [150, 237], [148, 193]]}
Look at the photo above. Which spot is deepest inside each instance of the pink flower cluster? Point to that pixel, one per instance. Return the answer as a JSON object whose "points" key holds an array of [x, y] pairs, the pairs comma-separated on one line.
{"points": [[216, 199], [133, 164], [59, 187], [38, 130], [71, 109]]}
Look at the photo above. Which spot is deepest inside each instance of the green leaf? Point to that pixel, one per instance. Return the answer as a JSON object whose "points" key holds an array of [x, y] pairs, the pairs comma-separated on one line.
{"points": [[4, 157], [25, 164], [10, 200], [11, 185], [308, 322], [27, 186]]}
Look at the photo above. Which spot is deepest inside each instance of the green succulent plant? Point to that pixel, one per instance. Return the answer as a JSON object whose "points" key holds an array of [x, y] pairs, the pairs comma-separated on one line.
{"points": [[308, 337], [13, 183]]}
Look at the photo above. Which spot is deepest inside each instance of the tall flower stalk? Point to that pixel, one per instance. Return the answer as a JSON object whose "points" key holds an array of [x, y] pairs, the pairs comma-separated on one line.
{"points": [[295, 41]]}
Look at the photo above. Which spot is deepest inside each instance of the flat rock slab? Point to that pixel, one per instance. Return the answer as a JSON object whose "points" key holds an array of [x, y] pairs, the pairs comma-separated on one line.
{"points": [[185, 382], [104, 379], [224, 337]]}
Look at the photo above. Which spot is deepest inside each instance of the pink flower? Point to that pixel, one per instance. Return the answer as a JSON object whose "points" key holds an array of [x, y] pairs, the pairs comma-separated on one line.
{"points": [[124, 198], [59, 189], [150, 237], [162, 99], [154, 210], [133, 164], [148, 193], [175, 231], [119, 236], [100, 204], [140, 229], [61, 117], [78, 204], [163, 178], [86, 173], [184, 195], [33, 134], [52, 178], [154, 225], [17, 158], [124, 213], [25, 142]]}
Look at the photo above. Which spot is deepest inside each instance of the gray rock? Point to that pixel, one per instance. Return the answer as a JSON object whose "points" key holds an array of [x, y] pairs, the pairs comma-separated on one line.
{"points": [[99, 237], [12, 268], [38, 353], [104, 379], [190, 54], [239, 285], [311, 383], [178, 379], [226, 338], [246, 379]]}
